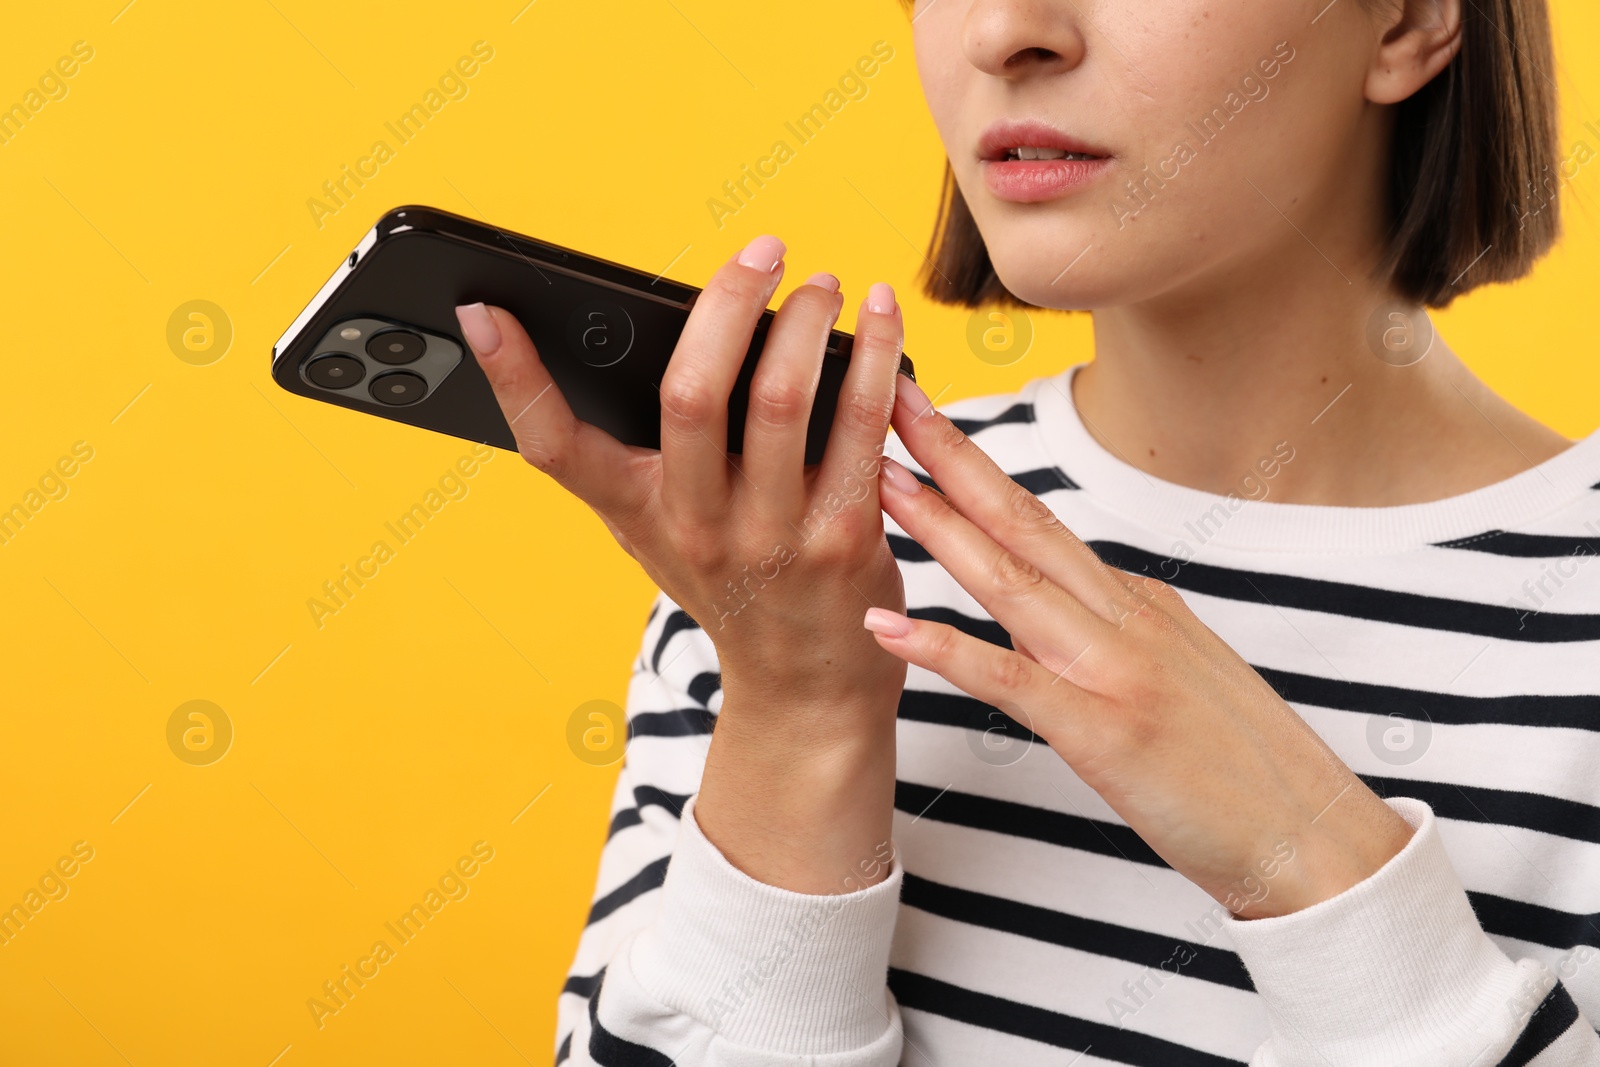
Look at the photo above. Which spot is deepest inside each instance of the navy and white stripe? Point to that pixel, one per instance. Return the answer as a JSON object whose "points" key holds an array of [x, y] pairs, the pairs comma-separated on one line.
{"points": [[1027, 906]]}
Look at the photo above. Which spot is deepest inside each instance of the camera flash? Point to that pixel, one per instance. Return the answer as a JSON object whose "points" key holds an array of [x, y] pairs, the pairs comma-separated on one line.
{"points": [[349, 333]]}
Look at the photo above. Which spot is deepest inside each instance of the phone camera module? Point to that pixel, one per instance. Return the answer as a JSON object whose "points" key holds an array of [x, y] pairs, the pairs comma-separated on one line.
{"points": [[398, 388], [335, 371], [381, 361], [396, 346]]}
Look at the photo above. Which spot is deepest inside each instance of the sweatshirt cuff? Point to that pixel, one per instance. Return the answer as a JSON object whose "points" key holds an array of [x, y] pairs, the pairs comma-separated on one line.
{"points": [[764, 967], [1396, 969]]}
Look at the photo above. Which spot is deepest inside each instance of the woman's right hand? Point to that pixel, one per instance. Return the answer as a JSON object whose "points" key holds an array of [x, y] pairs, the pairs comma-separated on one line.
{"points": [[776, 560]]}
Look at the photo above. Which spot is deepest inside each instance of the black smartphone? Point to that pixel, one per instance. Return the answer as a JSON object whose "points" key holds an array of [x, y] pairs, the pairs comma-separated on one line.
{"points": [[381, 336]]}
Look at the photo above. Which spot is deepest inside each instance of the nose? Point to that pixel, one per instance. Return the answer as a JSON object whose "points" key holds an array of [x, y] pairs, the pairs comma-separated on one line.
{"points": [[1018, 38]]}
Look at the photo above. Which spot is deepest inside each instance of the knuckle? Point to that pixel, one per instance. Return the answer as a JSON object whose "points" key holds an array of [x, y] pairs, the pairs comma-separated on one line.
{"points": [[830, 550], [809, 302], [690, 543], [876, 340], [1155, 588], [1137, 593], [861, 414], [1009, 672], [947, 435], [779, 400], [1016, 577], [1136, 727], [837, 538], [685, 398], [1031, 513], [850, 527], [1148, 617], [1156, 604], [510, 383], [1170, 600], [735, 286], [940, 643]]}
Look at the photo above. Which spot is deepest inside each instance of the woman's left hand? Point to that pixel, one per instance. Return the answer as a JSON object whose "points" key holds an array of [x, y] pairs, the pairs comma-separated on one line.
{"points": [[1187, 743]]}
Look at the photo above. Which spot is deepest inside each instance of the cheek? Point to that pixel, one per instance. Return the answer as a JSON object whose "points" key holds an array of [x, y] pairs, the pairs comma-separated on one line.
{"points": [[945, 74], [1180, 201], [1202, 132]]}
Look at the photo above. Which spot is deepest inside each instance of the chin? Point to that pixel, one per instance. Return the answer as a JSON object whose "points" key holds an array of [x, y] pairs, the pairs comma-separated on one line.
{"points": [[1031, 266], [1038, 251], [1042, 259]]}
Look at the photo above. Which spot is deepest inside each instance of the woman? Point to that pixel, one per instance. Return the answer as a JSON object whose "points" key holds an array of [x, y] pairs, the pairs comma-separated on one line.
{"points": [[1233, 697]]}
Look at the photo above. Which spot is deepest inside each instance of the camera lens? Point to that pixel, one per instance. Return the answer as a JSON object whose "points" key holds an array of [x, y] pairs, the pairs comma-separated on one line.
{"points": [[398, 388], [335, 371], [396, 346]]}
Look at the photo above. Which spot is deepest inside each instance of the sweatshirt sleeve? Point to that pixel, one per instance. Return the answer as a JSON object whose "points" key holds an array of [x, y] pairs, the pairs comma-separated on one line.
{"points": [[687, 960], [1396, 970]]}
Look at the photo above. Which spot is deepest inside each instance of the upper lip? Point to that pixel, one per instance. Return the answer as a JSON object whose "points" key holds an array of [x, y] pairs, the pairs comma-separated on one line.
{"points": [[999, 139]]}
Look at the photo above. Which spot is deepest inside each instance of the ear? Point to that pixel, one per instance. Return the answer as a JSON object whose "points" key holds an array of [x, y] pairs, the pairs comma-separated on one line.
{"points": [[1418, 39]]}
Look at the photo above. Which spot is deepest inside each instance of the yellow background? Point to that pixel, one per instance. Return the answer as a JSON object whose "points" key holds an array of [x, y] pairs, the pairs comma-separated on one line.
{"points": [[425, 716]]}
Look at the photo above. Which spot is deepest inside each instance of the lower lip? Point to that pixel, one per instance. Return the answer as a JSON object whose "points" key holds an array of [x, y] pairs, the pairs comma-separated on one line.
{"points": [[1028, 181]]}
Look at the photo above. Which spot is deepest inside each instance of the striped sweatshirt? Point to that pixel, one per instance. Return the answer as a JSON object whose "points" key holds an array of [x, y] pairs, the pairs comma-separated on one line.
{"points": [[1448, 652]]}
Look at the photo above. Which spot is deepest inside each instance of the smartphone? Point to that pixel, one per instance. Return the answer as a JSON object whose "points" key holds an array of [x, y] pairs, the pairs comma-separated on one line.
{"points": [[381, 335]]}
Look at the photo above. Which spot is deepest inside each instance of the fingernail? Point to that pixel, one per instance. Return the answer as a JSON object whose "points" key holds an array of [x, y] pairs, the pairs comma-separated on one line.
{"points": [[476, 322], [764, 254], [880, 299], [911, 395], [888, 623], [899, 476], [824, 281]]}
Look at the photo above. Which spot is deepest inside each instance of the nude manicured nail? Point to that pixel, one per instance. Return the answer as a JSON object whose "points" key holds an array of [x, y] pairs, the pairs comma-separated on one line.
{"points": [[476, 322], [824, 280], [764, 254], [880, 299], [888, 623], [901, 478], [911, 395]]}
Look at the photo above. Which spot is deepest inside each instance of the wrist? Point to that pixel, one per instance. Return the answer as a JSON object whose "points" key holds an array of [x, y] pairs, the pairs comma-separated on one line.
{"points": [[822, 734], [1332, 854], [811, 816], [823, 710]]}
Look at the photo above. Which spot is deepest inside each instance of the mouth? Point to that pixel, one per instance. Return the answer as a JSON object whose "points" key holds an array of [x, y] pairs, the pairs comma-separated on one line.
{"points": [[1030, 161], [1033, 139], [1039, 152]]}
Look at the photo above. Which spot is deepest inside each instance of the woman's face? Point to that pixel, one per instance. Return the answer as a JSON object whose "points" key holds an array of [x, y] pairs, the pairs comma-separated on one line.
{"points": [[1184, 140]]}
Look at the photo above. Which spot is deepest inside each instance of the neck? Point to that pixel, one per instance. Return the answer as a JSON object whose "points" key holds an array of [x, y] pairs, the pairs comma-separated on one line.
{"points": [[1199, 388]]}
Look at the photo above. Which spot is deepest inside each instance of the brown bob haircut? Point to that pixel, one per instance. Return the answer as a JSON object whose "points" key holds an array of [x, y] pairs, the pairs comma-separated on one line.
{"points": [[1473, 178]]}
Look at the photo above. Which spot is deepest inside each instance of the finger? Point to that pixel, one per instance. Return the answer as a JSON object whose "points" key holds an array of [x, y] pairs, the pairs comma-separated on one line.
{"points": [[1057, 626], [781, 396], [1015, 518], [580, 456], [696, 474], [866, 396], [997, 676]]}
